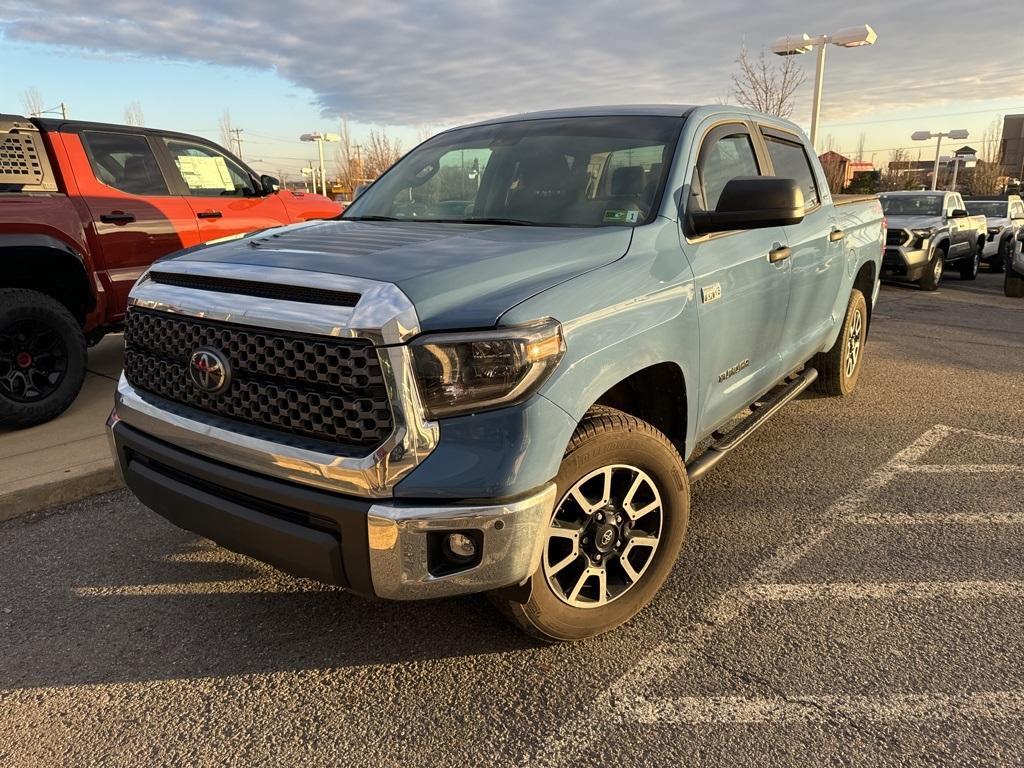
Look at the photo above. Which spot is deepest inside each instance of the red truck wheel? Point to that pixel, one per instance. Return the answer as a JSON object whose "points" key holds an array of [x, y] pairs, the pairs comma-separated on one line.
{"points": [[42, 358]]}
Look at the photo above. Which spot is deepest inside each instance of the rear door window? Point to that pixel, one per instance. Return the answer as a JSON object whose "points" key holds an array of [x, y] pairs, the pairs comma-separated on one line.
{"points": [[124, 161], [791, 162]]}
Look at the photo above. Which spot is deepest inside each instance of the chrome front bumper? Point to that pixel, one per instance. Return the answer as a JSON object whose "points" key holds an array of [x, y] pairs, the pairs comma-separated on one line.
{"points": [[512, 535]]}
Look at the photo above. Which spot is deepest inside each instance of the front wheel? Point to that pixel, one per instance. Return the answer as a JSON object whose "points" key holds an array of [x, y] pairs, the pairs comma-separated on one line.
{"points": [[615, 532], [1002, 259], [839, 368], [42, 358], [933, 275]]}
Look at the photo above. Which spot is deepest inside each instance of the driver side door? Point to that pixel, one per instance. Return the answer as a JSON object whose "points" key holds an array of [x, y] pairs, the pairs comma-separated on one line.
{"points": [[223, 195]]}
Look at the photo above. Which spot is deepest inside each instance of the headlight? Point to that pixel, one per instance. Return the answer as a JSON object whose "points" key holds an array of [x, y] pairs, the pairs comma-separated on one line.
{"points": [[924, 234], [460, 372]]}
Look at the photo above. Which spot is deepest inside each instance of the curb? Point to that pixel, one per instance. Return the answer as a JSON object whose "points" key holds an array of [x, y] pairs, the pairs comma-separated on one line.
{"points": [[57, 488]]}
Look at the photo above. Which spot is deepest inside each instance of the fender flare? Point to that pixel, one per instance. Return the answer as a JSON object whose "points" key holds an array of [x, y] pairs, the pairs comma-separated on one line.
{"points": [[12, 243]]}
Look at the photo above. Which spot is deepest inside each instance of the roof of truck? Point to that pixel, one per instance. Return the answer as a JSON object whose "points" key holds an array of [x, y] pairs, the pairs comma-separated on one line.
{"points": [[665, 110]]}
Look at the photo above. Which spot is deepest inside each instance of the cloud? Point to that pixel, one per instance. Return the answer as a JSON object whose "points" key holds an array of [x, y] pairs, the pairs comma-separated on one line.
{"points": [[414, 61]]}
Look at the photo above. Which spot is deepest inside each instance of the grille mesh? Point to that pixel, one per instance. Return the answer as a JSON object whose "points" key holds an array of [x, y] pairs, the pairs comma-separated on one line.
{"points": [[326, 388], [896, 237]]}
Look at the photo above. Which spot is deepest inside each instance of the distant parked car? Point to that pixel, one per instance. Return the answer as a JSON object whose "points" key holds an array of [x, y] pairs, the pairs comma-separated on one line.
{"points": [[85, 208], [929, 231], [1005, 219]]}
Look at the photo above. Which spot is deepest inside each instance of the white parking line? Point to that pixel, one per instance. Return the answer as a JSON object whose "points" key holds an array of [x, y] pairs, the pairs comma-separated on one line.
{"points": [[903, 590], [233, 586], [938, 518], [887, 708], [962, 469]]}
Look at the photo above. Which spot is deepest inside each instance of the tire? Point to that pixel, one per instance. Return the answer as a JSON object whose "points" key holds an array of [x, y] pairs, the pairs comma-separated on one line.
{"points": [[933, 277], [42, 358], [969, 266], [1002, 259], [638, 458], [839, 368], [1013, 285]]}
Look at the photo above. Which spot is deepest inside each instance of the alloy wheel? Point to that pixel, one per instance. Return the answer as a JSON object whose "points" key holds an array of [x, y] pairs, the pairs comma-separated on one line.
{"points": [[853, 343], [603, 536], [33, 361]]}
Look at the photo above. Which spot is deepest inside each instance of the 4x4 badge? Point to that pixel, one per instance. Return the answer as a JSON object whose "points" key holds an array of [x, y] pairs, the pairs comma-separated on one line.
{"points": [[209, 370]]}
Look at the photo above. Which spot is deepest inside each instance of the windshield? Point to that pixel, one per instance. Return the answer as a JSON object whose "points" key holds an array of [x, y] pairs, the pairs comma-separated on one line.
{"points": [[912, 205], [574, 172], [995, 209]]}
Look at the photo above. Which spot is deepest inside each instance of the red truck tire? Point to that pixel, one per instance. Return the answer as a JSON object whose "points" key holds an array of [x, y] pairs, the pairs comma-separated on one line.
{"points": [[42, 357]]}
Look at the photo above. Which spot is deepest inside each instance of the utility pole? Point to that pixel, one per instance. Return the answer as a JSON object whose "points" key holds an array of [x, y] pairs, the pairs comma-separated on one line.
{"points": [[238, 140], [64, 110]]}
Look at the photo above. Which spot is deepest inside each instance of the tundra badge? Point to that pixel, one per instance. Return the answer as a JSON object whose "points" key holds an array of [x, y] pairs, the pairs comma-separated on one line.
{"points": [[711, 292]]}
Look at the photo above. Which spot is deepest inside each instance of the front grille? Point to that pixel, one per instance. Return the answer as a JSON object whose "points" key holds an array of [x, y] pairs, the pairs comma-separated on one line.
{"points": [[897, 237], [321, 387]]}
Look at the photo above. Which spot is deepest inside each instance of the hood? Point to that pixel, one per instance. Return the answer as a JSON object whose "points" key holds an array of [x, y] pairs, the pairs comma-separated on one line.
{"points": [[915, 222], [998, 223], [457, 275]]}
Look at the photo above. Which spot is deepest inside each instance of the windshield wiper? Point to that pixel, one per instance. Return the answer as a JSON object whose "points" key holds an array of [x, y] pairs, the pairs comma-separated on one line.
{"points": [[370, 218], [510, 222]]}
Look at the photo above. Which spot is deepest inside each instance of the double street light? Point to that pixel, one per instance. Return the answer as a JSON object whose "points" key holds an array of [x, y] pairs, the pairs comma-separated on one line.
{"points": [[957, 135], [793, 45], [320, 138]]}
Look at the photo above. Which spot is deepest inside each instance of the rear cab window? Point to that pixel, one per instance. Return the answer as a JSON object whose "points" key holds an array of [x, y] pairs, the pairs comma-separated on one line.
{"points": [[124, 161], [790, 161]]}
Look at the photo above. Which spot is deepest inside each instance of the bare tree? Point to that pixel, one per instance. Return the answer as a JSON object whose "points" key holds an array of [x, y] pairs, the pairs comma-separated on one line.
{"points": [[227, 131], [350, 174], [986, 178], [896, 178], [382, 151], [133, 114], [767, 87], [861, 141], [32, 100]]}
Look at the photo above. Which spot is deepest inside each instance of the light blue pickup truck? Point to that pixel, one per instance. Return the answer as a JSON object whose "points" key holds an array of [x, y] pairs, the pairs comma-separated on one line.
{"points": [[502, 368]]}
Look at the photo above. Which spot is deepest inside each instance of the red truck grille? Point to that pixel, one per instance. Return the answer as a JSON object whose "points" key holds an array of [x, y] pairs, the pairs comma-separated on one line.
{"points": [[326, 388]]}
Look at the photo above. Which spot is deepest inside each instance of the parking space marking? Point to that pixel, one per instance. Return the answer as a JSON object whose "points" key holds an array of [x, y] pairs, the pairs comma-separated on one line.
{"points": [[232, 586], [899, 590], [965, 469], [625, 697], [939, 518], [889, 708]]}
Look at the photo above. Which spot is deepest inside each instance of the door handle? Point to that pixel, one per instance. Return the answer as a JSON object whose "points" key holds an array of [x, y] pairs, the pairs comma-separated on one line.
{"points": [[117, 217], [836, 235], [209, 215], [775, 255]]}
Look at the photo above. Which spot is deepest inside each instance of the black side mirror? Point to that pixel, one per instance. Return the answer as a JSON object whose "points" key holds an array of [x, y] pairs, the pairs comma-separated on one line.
{"points": [[753, 202], [958, 213], [269, 184]]}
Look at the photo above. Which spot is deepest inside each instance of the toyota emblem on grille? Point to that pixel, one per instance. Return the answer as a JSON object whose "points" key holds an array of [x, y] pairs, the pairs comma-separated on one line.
{"points": [[209, 370]]}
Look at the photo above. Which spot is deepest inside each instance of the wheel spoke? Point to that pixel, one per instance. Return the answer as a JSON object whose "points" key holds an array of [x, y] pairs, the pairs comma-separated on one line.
{"points": [[627, 501], [627, 566], [602, 586], [636, 514], [643, 541], [580, 583]]}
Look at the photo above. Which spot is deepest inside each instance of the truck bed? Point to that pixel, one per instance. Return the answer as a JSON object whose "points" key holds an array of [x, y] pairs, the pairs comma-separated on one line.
{"points": [[848, 199]]}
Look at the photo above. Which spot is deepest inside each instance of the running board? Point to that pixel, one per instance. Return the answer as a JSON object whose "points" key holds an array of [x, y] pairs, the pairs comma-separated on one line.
{"points": [[762, 411]]}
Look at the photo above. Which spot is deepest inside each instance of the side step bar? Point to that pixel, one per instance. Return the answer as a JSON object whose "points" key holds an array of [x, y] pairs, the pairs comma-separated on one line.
{"points": [[762, 411]]}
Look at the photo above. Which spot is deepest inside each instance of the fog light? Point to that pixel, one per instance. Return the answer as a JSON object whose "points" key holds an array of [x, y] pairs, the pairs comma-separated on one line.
{"points": [[460, 547]]}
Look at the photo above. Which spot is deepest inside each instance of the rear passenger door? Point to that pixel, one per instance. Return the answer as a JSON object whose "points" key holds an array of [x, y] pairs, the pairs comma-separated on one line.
{"points": [[223, 194], [816, 248], [741, 295], [136, 217]]}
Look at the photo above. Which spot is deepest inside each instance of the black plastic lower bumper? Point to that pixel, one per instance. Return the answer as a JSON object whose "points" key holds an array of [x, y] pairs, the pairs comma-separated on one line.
{"points": [[302, 531]]}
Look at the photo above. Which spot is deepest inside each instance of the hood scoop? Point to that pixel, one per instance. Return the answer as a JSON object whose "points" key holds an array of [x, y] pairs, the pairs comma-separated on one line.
{"points": [[355, 238]]}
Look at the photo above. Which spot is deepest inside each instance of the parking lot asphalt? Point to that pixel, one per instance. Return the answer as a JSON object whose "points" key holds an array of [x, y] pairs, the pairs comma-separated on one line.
{"points": [[851, 593]]}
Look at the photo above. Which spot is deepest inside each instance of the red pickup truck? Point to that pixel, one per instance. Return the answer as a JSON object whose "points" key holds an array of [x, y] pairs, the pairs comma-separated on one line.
{"points": [[84, 209]]}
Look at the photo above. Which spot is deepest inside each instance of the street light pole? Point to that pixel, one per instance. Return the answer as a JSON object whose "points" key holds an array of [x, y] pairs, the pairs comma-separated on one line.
{"points": [[957, 135], [793, 45], [320, 138]]}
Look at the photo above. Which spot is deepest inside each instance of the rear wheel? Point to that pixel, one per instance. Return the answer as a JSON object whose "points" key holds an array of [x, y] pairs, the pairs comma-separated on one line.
{"points": [[1013, 285], [839, 368], [617, 527], [42, 358], [969, 266], [933, 276]]}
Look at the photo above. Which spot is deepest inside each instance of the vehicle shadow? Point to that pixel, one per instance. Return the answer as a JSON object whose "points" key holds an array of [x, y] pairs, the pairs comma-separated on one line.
{"points": [[137, 599]]}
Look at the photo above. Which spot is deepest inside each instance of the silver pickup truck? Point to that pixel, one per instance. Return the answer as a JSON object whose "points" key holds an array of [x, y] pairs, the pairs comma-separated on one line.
{"points": [[1005, 220], [929, 231]]}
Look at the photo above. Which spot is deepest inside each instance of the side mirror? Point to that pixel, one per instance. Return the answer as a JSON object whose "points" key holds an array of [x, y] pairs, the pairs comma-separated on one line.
{"points": [[958, 213], [269, 185], [753, 202]]}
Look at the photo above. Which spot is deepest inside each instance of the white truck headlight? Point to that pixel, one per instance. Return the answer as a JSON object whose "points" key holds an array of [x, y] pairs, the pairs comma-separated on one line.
{"points": [[461, 372]]}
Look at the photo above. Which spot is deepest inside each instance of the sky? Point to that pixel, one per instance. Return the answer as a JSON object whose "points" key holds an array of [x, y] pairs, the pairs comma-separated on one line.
{"points": [[286, 67]]}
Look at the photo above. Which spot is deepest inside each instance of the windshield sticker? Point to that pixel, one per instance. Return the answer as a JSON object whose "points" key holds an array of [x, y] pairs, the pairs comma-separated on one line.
{"points": [[615, 216]]}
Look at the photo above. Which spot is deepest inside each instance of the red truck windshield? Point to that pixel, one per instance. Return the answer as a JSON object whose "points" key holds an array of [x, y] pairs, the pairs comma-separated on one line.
{"points": [[577, 172]]}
